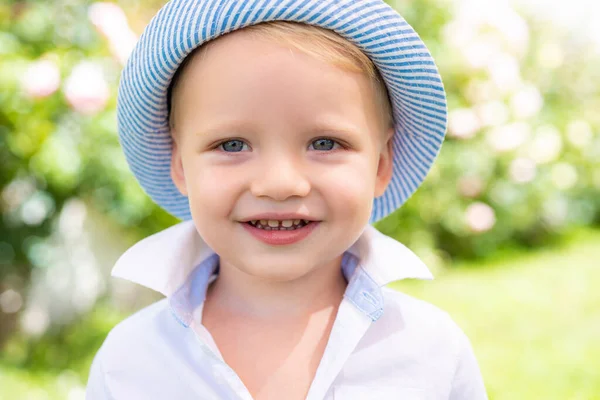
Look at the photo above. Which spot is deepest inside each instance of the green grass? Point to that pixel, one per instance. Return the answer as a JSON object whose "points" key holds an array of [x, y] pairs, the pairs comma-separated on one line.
{"points": [[533, 320], [17, 384]]}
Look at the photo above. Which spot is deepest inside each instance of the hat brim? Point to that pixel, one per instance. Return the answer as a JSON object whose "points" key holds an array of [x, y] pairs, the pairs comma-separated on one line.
{"points": [[406, 65]]}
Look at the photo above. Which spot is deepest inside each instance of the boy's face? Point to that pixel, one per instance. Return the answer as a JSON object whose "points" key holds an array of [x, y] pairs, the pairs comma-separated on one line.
{"points": [[273, 103]]}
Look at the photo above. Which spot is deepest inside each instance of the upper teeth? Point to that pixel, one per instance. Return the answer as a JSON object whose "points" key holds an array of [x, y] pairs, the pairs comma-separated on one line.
{"points": [[287, 223]]}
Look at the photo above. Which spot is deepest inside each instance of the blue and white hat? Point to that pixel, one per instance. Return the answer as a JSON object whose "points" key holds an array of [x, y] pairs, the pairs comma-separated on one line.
{"points": [[407, 67]]}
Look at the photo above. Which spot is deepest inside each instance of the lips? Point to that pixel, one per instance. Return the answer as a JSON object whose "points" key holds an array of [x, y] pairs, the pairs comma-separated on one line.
{"points": [[284, 225], [280, 235]]}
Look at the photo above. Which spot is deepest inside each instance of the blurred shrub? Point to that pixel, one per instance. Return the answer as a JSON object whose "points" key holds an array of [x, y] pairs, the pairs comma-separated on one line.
{"points": [[520, 165], [58, 80], [64, 347]]}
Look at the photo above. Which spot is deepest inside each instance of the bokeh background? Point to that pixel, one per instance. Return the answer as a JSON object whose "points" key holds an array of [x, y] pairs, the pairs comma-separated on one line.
{"points": [[508, 220]]}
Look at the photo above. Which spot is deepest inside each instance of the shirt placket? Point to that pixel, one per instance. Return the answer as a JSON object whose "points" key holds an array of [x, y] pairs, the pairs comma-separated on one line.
{"points": [[348, 329], [223, 374]]}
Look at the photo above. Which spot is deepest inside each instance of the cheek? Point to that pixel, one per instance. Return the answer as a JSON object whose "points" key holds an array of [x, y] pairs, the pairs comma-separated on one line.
{"points": [[212, 190], [349, 187], [212, 195]]}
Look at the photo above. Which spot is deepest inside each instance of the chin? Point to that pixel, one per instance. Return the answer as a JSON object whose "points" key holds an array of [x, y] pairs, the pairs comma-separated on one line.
{"points": [[278, 272]]}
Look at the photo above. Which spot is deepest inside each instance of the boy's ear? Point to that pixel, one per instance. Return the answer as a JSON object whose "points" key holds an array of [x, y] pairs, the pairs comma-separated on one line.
{"points": [[385, 166], [177, 172]]}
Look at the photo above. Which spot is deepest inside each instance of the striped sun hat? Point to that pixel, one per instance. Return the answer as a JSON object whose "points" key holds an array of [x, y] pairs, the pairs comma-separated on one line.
{"points": [[407, 67]]}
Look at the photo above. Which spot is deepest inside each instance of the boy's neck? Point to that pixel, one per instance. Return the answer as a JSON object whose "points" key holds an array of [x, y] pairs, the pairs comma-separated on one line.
{"points": [[235, 292]]}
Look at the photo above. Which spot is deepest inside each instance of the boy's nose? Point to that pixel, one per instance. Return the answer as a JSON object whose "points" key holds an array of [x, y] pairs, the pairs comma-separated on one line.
{"points": [[280, 179]]}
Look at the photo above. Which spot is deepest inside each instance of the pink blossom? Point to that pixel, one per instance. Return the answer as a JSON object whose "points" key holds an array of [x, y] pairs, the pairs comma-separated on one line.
{"points": [[527, 102], [505, 72], [463, 123], [86, 89], [111, 22], [508, 137], [493, 113], [122, 48], [470, 186], [564, 176], [546, 146], [11, 301], [579, 133], [108, 18], [480, 217], [41, 79], [522, 170]]}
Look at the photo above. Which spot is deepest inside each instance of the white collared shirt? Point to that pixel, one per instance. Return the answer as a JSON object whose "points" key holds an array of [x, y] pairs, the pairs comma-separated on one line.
{"points": [[383, 345]]}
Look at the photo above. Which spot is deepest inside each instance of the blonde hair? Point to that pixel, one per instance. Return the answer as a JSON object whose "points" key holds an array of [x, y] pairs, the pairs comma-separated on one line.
{"points": [[321, 43]]}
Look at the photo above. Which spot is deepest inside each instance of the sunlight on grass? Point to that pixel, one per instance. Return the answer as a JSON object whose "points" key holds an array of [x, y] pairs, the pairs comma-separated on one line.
{"points": [[17, 384], [533, 320]]}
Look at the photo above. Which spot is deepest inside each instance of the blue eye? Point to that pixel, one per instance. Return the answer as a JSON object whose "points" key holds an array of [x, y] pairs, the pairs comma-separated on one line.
{"points": [[324, 144], [233, 146]]}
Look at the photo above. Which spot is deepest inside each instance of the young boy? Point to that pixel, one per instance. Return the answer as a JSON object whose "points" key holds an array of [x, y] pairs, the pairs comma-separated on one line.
{"points": [[278, 130]]}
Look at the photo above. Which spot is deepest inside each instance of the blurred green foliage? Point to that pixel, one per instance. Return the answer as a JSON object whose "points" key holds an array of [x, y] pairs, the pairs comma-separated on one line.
{"points": [[82, 339], [521, 163], [50, 151]]}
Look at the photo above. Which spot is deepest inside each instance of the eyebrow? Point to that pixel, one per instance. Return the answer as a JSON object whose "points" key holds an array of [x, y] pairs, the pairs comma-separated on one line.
{"points": [[342, 129], [320, 128], [221, 128]]}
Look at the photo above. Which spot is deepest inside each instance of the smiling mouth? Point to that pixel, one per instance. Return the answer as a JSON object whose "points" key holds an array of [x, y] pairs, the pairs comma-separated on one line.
{"points": [[274, 225]]}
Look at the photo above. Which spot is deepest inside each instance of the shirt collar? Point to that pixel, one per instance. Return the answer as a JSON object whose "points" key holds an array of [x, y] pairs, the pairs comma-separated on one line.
{"points": [[176, 262]]}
